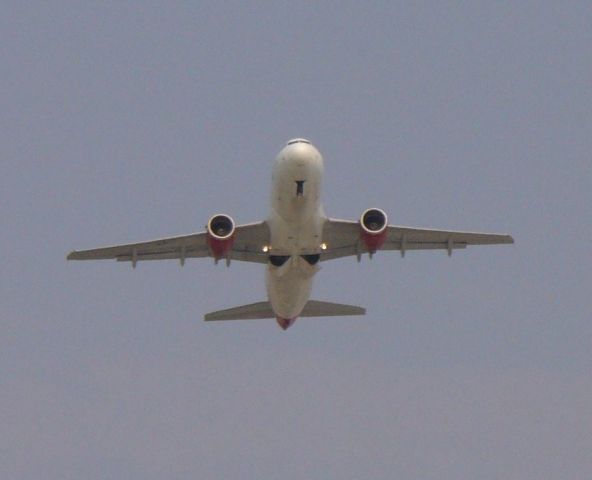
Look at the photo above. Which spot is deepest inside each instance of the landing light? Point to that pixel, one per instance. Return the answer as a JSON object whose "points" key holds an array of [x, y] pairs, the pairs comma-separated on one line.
{"points": [[323, 246], [265, 248]]}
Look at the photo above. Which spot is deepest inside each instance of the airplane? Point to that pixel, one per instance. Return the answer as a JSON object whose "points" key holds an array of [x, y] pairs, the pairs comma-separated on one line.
{"points": [[292, 241]]}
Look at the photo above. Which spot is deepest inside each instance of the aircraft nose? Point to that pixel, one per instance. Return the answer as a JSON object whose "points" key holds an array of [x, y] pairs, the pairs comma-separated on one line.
{"points": [[300, 152], [301, 155]]}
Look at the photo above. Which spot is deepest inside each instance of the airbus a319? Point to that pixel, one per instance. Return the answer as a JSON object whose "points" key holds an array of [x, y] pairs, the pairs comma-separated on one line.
{"points": [[292, 241]]}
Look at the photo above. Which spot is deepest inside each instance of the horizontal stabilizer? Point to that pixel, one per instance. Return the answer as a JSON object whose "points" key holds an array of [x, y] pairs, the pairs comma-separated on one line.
{"points": [[313, 308], [244, 312]]}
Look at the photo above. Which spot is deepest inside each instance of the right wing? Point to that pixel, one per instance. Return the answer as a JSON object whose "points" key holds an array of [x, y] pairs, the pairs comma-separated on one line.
{"points": [[342, 238], [249, 240]]}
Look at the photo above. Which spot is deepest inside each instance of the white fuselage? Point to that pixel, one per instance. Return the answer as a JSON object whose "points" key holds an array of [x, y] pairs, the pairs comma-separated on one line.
{"points": [[296, 223]]}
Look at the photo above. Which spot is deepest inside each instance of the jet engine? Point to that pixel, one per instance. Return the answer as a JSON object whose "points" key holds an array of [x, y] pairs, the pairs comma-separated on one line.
{"points": [[220, 235], [373, 223]]}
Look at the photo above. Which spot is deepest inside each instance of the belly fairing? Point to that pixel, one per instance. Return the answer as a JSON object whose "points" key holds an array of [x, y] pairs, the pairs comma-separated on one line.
{"points": [[289, 286]]}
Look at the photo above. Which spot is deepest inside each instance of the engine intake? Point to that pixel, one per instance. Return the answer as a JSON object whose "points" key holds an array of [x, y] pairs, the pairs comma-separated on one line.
{"points": [[373, 223], [220, 235]]}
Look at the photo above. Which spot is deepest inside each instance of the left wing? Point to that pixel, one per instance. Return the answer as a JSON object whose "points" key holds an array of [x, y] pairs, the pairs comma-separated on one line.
{"points": [[247, 246], [342, 238]]}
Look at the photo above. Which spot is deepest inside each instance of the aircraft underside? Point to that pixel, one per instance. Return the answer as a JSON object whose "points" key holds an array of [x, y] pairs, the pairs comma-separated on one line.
{"points": [[292, 241]]}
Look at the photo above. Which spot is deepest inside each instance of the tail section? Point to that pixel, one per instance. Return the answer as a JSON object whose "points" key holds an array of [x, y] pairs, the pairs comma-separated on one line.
{"points": [[314, 308], [244, 312]]}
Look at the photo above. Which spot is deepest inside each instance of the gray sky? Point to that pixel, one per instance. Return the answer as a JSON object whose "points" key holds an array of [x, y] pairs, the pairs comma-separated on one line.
{"points": [[129, 121]]}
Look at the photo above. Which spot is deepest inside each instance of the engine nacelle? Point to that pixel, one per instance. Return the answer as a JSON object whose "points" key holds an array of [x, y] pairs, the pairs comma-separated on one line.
{"points": [[220, 235], [373, 223]]}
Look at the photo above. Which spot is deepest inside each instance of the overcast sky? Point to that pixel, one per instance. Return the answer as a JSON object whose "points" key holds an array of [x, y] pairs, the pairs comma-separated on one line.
{"points": [[127, 121]]}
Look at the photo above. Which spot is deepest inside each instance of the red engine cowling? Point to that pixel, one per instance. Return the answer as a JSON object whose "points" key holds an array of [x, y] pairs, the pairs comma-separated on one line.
{"points": [[220, 235], [373, 223]]}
